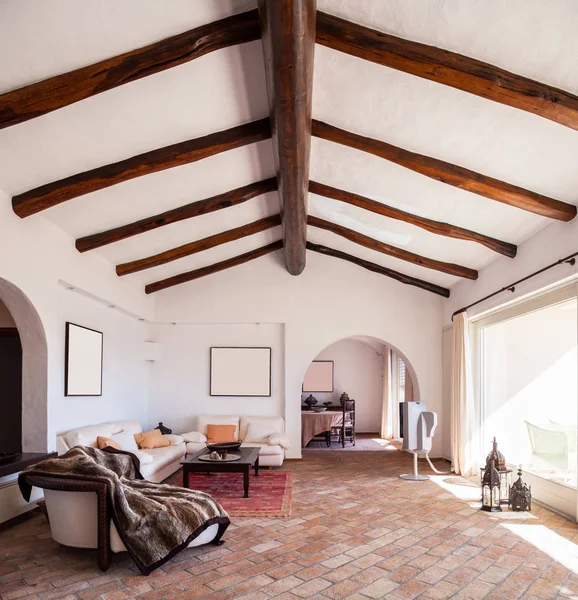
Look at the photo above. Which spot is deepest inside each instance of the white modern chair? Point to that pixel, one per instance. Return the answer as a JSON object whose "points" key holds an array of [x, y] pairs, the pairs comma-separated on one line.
{"points": [[550, 450]]}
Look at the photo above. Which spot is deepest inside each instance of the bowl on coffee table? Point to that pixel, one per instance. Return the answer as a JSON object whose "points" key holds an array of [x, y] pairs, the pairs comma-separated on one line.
{"points": [[223, 448]]}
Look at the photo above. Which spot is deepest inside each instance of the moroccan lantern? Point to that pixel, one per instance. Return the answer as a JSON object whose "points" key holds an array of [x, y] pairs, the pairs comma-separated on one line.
{"points": [[491, 495], [520, 495], [502, 468]]}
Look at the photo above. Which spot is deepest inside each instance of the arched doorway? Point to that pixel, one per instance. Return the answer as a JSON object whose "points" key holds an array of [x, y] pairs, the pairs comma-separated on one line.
{"points": [[370, 371], [34, 367]]}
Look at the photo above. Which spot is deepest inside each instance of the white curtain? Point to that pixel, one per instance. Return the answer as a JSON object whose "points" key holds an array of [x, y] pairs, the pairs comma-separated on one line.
{"points": [[387, 414], [463, 439]]}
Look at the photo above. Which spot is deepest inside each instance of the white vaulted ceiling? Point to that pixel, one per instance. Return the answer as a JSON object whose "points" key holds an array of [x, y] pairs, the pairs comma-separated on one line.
{"points": [[534, 38]]}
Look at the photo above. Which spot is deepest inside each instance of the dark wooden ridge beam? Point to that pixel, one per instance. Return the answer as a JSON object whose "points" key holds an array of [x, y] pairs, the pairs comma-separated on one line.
{"points": [[215, 268], [436, 227], [194, 209], [424, 285], [198, 246], [183, 153], [452, 69], [56, 92], [288, 37], [373, 244], [459, 177]]}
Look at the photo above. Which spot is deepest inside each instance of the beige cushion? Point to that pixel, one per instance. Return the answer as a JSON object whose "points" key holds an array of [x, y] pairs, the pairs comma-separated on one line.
{"points": [[125, 440], [174, 439], [277, 424], [278, 439], [194, 437], [86, 436], [217, 434], [265, 449], [258, 433], [151, 439], [204, 420], [105, 442]]}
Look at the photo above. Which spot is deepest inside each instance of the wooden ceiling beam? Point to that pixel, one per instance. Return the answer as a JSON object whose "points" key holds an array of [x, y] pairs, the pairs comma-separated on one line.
{"points": [[215, 268], [430, 225], [373, 244], [212, 241], [408, 280], [56, 92], [450, 174], [194, 209], [183, 153], [449, 68], [288, 38]]}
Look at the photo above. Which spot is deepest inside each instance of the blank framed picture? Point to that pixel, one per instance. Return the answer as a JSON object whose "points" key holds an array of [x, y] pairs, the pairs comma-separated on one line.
{"points": [[83, 361], [319, 377], [240, 371]]}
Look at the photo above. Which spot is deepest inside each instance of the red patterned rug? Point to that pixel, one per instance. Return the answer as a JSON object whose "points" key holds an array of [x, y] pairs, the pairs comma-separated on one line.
{"points": [[269, 493]]}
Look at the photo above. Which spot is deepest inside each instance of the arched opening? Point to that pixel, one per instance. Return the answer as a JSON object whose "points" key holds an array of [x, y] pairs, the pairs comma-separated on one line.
{"points": [[25, 330], [372, 373]]}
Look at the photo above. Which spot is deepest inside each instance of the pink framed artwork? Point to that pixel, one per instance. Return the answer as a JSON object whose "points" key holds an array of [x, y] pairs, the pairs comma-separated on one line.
{"points": [[319, 377]]}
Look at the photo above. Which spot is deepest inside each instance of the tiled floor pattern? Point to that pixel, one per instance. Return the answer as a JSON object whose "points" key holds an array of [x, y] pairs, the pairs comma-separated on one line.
{"points": [[357, 531]]}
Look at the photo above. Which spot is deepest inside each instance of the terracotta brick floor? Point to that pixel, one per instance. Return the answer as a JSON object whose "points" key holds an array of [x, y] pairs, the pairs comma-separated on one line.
{"points": [[356, 532]]}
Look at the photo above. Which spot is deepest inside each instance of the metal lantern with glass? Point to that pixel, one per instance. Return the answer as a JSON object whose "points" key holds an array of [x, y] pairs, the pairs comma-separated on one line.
{"points": [[520, 495], [491, 496], [503, 470]]}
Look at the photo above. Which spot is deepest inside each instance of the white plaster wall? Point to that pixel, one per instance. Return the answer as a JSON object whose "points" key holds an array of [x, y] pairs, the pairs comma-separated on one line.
{"points": [[180, 387], [6, 319], [125, 372], [329, 301], [34, 256], [358, 370]]}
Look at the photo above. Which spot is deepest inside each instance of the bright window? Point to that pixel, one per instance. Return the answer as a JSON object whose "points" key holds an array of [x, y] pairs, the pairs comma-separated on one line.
{"points": [[528, 373]]}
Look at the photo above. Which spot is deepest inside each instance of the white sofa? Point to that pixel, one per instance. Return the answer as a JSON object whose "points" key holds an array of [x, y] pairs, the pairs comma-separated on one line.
{"points": [[272, 447], [73, 515], [165, 461]]}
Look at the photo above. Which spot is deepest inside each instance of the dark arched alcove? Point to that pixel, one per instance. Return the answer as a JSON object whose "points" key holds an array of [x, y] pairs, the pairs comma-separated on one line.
{"points": [[10, 391]]}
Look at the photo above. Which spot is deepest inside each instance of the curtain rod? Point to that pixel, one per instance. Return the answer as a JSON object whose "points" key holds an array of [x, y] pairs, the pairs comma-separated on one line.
{"points": [[571, 260]]}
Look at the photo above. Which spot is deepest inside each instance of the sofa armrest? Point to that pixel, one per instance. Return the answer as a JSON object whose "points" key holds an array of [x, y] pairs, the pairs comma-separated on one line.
{"points": [[175, 440], [278, 439], [194, 436]]}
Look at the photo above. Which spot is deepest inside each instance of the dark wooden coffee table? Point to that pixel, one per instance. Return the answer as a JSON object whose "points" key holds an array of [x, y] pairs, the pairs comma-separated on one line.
{"points": [[249, 458]]}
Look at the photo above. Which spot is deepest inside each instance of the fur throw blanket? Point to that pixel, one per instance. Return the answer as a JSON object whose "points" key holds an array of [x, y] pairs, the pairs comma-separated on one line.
{"points": [[154, 521]]}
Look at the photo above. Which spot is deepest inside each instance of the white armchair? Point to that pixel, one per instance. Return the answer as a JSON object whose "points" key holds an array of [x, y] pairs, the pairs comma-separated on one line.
{"points": [[79, 518], [550, 451]]}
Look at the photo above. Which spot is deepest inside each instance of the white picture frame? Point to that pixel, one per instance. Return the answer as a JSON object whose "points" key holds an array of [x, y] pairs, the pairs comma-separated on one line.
{"points": [[242, 372], [83, 361]]}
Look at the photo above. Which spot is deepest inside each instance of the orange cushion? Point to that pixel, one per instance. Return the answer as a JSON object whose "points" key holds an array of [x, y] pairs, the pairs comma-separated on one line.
{"points": [[103, 442], [151, 439], [217, 434]]}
